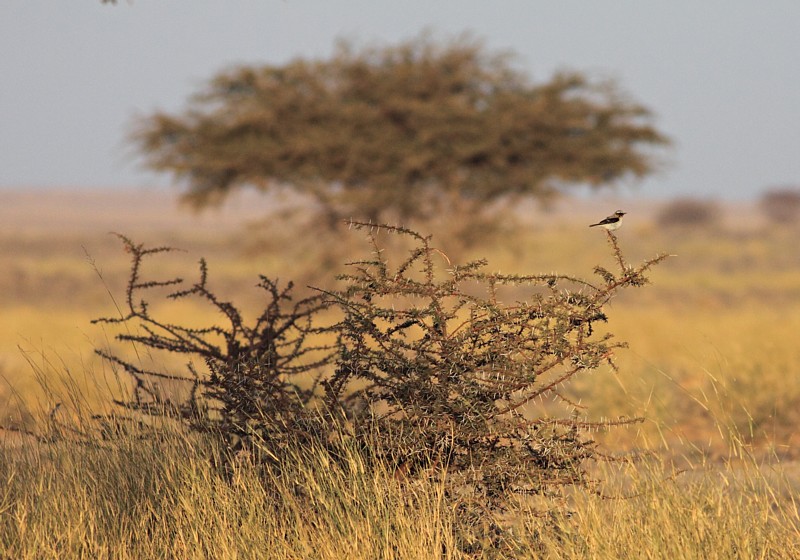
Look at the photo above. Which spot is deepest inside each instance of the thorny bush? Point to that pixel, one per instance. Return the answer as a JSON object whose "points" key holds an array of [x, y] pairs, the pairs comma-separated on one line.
{"points": [[425, 364], [260, 377], [432, 358]]}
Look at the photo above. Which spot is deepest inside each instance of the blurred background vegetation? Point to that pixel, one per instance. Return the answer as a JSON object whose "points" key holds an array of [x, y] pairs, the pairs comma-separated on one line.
{"points": [[426, 132]]}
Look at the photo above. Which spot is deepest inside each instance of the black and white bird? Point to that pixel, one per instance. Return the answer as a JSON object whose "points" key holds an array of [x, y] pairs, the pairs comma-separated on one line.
{"points": [[612, 222]]}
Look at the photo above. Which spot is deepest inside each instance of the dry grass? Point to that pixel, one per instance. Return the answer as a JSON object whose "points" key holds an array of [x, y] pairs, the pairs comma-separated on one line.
{"points": [[132, 498], [163, 498], [704, 513], [712, 365]]}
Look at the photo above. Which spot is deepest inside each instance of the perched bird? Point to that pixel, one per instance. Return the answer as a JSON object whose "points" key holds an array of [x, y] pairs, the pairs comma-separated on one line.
{"points": [[612, 222]]}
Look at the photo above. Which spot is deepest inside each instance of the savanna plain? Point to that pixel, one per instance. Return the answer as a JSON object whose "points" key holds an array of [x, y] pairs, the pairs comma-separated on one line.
{"points": [[711, 367]]}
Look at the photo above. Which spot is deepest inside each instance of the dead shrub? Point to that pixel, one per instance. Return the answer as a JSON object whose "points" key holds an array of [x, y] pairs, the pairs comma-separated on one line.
{"points": [[259, 377]]}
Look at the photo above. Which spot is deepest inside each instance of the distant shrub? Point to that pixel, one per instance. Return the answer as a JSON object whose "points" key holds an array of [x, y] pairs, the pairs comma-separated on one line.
{"points": [[424, 366], [688, 212], [781, 205]]}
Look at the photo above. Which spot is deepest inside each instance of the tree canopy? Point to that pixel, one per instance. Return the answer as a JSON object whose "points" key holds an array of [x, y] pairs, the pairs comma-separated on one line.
{"points": [[400, 131]]}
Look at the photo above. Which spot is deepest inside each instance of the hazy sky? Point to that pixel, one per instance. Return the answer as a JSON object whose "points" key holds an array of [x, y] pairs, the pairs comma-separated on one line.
{"points": [[723, 76]]}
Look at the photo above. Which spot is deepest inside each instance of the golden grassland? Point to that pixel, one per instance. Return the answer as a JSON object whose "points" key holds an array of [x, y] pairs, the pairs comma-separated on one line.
{"points": [[149, 498], [712, 367]]}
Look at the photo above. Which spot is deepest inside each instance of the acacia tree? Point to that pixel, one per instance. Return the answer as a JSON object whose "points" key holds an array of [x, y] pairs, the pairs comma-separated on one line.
{"points": [[400, 132]]}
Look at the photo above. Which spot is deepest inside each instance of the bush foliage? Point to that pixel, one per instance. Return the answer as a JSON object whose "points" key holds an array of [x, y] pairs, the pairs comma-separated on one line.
{"points": [[421, 363], [452, 368]]}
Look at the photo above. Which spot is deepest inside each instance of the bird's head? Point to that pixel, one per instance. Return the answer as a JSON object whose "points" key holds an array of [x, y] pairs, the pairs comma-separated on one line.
{"points": [[619, 213]]}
